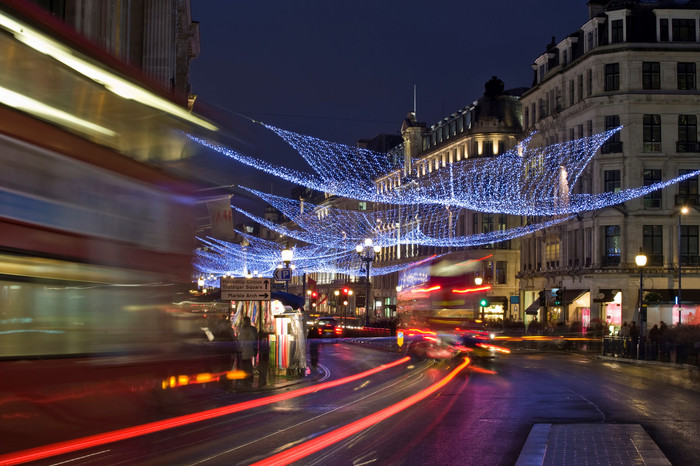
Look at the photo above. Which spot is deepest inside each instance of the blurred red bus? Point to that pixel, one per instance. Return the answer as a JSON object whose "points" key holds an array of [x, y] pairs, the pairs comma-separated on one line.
{"points": [[441, 294]]}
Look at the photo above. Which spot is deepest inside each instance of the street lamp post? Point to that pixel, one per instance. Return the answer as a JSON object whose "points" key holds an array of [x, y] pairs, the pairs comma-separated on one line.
{"points": [[641, 261], [684, 210], [244, 246], [478, 281], [367, 254], [287, 256]]}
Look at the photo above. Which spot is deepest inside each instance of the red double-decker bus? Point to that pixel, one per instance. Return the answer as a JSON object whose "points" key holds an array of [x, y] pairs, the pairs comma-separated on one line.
{"points": [[442, 294]]}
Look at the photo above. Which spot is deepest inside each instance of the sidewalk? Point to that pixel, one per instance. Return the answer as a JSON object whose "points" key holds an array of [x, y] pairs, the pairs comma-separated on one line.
{"points": [[584, 444]]}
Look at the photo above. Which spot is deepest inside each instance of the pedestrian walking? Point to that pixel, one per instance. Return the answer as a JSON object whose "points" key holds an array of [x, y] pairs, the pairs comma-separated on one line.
{"points": [[248, 337], [625, 336], [312, 336], [634, 337]]}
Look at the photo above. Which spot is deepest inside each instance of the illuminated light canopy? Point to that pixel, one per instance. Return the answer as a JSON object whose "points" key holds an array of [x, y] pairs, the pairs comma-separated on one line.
{"points": [[390, 238], [420, 210], [522, 181]]}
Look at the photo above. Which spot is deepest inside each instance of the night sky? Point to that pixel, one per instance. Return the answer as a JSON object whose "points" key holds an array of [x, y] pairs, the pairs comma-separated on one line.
{"points": [[345, 70]]}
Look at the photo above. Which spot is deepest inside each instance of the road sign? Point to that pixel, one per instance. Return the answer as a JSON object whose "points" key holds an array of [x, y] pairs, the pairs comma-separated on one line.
{"points": [[245, 289], [283, 275]]}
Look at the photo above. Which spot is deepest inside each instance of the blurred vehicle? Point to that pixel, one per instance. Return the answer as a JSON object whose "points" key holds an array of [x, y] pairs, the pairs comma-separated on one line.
{"points": [[432, 349], [328, 327], [442, 293], [479, 343]]}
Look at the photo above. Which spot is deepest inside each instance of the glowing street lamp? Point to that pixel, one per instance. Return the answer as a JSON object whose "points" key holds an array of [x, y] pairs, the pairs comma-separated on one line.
{"points": [[367, 254], [641, 261], [684, 210], [287, 256]]}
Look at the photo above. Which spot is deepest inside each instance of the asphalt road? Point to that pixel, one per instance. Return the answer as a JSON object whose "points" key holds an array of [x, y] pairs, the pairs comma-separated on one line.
{"points": [[482, 416]]}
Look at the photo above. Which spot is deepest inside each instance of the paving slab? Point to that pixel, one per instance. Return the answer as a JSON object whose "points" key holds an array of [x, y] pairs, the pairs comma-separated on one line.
{"points": [[588, 444]]}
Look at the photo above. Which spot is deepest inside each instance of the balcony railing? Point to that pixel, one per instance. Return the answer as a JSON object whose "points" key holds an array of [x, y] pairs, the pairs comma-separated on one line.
{"points": [[611, 261], [690, 260]]}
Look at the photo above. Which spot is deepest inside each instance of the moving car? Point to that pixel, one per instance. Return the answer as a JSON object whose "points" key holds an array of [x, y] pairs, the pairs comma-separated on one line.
{"points": [[328, 327]]}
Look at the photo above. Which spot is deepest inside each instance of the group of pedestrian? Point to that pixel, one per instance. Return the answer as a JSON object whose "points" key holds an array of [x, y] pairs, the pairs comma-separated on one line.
{"points": [[629, 333]]}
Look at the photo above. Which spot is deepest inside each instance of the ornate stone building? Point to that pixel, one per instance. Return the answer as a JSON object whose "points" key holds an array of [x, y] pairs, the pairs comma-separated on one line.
{"points": [[632, 64]]}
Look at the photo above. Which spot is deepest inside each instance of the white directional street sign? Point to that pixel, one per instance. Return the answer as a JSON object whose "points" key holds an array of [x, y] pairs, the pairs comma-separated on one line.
{"points": [[245, 289], [283, 275]]}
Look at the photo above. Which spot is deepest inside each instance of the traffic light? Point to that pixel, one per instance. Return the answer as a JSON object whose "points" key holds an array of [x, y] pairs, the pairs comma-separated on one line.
{"points": [[484, 302], [314, 298], [558, 298], [542, 300], [345, 291]]}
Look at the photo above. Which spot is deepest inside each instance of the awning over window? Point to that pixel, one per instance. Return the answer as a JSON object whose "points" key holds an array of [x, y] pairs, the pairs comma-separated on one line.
{"points": [[533, 308], [288, 299]]}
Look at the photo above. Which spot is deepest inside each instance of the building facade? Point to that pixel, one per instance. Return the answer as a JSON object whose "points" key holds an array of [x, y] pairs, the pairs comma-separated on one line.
{"points": [[632, 64], [489, 126]]}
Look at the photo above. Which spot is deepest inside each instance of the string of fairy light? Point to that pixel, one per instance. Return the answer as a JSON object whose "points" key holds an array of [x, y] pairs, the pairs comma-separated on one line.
{"points": [[522, 181], [419, 207]]}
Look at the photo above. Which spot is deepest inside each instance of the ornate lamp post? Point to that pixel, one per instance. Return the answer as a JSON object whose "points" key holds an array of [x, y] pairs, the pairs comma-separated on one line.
{"points": [[367, 254], [641, 261], [684, 210]]}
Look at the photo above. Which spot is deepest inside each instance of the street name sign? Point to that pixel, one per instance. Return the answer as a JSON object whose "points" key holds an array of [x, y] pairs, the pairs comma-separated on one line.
{"points": [[283, 274], [245, 289]]}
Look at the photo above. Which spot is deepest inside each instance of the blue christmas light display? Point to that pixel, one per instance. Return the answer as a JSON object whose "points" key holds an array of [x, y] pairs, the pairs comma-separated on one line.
{"points": [[418, 207]]}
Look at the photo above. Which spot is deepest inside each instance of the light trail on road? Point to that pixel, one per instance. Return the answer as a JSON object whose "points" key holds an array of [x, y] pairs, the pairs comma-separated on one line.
{"points": [[70, 446], [307, 448]]}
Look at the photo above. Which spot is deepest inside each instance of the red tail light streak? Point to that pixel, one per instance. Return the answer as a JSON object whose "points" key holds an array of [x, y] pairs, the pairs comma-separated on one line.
{"points": [[472, 290], [427, 290], [305, 449], [499, 349], [69, 446]]}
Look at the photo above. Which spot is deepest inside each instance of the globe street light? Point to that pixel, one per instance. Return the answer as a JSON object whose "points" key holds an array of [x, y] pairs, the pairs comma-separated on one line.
{"points": [[641, 261], [684, 210], [287, 256], [367, 254]]}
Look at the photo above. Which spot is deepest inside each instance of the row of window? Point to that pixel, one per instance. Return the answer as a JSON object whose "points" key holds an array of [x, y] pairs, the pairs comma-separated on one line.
{"points": [[456, 125], [551, 102], [652, 245], [687, 189], [651, 76], [614, 32], [687, 140]]}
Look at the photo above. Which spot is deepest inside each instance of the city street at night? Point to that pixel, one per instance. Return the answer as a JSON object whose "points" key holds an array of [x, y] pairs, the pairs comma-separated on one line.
{"points": [[349, 233], [483, 416]]}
